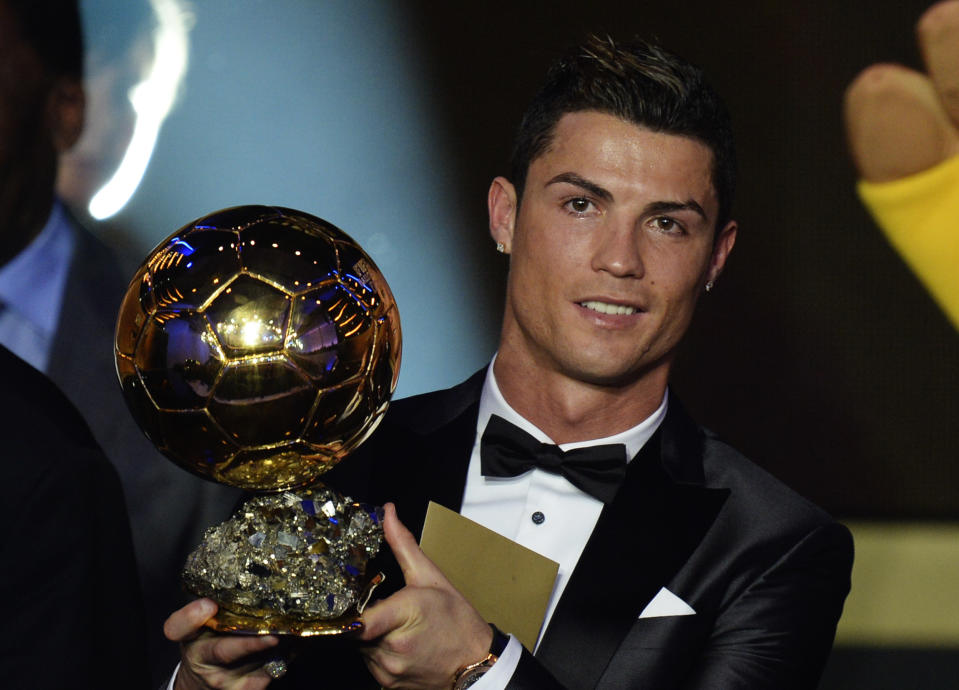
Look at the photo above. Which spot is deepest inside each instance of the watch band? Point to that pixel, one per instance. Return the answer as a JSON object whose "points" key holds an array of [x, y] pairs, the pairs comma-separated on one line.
{"points": [[471, 673], [468, 675]]}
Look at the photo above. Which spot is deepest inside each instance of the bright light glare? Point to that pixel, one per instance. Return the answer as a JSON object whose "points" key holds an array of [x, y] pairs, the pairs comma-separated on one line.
{"points": [[252, 332], [152, 100]]}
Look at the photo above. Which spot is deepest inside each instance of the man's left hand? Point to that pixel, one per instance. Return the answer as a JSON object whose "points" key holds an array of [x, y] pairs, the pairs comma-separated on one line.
{"points": [[423, 634]]}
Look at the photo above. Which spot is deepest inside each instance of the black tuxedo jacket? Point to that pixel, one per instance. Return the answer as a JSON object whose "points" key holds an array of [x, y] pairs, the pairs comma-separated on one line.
{"points": [[765, 571]]}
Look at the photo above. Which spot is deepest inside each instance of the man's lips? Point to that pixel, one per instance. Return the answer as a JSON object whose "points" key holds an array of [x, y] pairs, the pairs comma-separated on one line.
{"points": [[609, 307]]}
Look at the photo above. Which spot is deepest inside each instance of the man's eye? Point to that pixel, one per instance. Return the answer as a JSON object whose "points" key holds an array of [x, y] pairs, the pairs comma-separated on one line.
{"points": [[666, 224], [579, 205]]}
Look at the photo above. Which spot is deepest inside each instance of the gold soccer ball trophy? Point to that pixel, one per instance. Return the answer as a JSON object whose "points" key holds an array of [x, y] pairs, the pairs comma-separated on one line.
{"points": [[257, 347]]}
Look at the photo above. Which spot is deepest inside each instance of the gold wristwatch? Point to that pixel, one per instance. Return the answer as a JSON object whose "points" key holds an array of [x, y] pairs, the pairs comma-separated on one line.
{"points": [[468, 675]]}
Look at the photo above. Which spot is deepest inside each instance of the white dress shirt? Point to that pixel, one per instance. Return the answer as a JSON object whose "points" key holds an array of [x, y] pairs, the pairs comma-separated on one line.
{"points": [[31, 291], [565, 515]]}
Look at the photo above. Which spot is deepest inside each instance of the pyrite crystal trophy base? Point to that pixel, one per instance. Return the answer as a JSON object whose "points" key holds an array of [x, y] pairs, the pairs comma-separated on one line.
{"points": [[290, 563]]}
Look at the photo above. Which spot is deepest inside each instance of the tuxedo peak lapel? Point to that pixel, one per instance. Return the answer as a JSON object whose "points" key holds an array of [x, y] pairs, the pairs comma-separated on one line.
{"points": [[682, 445], [642, 538], [431, 437], [428, 413], [447, 459]]}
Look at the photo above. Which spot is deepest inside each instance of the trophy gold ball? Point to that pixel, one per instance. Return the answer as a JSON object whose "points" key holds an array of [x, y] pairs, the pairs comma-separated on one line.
{"points": [[257, 347]]}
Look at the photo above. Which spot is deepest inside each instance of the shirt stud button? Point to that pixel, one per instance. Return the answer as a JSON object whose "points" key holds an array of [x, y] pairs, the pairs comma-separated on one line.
{"points": [[538, 518]]}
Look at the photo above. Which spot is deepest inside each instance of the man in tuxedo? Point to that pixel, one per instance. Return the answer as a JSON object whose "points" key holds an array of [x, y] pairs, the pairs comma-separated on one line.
{"points": [[61, 286], [682, 564]]}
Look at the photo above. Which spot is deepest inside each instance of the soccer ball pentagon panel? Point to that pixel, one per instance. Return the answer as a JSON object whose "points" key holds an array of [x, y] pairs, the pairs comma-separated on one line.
{"points": [[257, 346]]}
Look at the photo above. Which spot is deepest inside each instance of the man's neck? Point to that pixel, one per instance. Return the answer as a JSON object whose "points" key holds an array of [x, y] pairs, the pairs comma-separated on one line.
{"points": [[568, 410]]}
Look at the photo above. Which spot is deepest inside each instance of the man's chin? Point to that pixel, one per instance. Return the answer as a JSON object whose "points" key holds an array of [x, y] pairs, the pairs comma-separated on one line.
{"points": [[606, 373]]}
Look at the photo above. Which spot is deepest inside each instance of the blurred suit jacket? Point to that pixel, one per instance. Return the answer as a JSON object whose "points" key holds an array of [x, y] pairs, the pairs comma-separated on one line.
{"points": [[765, 571], [169, 508], [71, 601]]}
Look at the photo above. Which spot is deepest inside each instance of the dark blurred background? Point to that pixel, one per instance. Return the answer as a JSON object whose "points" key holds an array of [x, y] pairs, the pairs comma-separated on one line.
{"points": [[819, 354]]}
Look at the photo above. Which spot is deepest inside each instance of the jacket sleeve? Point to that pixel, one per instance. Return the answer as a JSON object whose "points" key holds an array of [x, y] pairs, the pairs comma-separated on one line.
{"points": [[778, 632]]}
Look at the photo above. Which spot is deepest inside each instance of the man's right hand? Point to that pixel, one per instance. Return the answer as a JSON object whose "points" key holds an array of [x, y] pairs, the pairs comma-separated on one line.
{"points": [[211, 660]]}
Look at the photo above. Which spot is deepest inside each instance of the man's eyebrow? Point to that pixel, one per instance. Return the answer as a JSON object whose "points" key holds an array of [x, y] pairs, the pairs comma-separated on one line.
{"points": [[672, 206], [603, 193], [581, 182]]}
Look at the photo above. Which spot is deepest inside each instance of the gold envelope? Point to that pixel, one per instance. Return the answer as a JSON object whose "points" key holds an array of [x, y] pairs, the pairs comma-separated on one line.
{"points": [[507, 583]]}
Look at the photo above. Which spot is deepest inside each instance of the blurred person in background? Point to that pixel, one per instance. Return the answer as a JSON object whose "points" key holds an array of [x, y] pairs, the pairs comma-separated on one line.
{"points": [[61, 286]]}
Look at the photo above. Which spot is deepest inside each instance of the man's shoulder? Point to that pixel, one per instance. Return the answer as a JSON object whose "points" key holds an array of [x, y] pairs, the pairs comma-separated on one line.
{"points": [[415, 431], [47, 439], [96, 262], [763, 506], [757, 501], [426, 412], [33, 401]]}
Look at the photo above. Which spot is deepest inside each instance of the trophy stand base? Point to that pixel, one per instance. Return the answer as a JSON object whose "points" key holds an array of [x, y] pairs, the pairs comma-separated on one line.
{"points": [[227, 621], [289, 563]]}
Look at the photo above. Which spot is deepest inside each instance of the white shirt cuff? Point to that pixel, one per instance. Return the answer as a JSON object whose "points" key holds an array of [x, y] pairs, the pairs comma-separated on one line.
{"points": [[502, 671]]}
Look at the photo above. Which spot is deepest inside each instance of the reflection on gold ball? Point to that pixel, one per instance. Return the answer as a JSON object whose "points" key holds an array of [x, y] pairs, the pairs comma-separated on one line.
{"points": [[257, 346]]}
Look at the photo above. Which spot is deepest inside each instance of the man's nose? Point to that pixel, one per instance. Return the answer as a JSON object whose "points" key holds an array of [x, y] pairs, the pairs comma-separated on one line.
{"points": [[618, 250]]}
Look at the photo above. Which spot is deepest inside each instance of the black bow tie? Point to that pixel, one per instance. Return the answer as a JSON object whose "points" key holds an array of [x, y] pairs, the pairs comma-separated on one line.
{"points": [[508, 451]]}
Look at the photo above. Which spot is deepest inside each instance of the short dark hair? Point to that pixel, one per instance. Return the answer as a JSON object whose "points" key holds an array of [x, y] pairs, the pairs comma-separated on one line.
{"points": [[641, 83], [53, 29]]}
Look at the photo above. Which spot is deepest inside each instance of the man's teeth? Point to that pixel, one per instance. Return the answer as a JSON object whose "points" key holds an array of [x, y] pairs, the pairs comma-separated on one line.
{"points": [[605, 308]]}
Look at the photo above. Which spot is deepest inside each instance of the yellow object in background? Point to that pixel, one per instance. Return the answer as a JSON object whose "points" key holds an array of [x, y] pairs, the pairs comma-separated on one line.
{"points": [[905, 586], [919, 214]]}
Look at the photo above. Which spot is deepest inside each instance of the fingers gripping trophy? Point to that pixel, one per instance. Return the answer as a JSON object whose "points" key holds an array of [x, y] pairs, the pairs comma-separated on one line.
{"points": [[257, 347]]}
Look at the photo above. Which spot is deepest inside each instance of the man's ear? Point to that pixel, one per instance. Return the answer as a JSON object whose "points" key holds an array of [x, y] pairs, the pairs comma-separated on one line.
{"points": [[66, 104], [501, 202], [721, 250]]}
